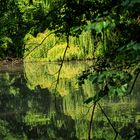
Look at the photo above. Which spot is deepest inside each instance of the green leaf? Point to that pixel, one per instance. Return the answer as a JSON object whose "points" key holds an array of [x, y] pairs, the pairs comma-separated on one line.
{"points": [[88, 100], [99, 27], [119, 91], [93, 78], [101, 78], [99, 95], [124, 88], [136, 46]]}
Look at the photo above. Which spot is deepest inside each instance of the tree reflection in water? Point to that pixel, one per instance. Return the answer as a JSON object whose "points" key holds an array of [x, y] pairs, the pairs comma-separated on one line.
{"points": [[27, 109]]}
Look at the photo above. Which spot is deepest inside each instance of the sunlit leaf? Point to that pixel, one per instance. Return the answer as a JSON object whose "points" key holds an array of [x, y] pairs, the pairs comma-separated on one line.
{"points": [[124, 88]]}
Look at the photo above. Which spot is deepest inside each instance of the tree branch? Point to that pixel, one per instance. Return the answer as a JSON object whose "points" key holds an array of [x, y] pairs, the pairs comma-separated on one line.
{"points": [[59, 71], [39, 44], [116, 132], [91, 120], [132, 87]]}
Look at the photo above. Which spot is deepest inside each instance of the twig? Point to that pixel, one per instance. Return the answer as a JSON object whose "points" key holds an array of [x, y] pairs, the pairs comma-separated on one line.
{"points": [[133, 84], [59, 71], [52, 84], [132, 87], [39, 44], [116, 132], [50, 12], [116, 136], [91, 120], [87, 111], [52, 74]]}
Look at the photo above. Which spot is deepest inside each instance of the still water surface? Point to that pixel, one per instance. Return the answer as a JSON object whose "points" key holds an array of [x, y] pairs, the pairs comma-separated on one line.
{"points": [[31, 110]]}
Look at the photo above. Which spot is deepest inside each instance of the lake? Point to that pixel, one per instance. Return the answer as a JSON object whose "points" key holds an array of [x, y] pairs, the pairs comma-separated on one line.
{"points": [[31, 108]]}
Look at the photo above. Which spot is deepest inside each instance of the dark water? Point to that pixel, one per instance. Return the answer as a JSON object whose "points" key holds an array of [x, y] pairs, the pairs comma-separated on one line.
{"points": [[31, 110]]}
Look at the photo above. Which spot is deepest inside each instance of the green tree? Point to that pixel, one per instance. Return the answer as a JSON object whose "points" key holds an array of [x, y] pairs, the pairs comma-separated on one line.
{"points": [[17, 19]]}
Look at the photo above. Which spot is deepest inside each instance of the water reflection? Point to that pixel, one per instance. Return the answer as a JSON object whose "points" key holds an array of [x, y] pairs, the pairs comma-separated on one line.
{"points": [[28, 111]]}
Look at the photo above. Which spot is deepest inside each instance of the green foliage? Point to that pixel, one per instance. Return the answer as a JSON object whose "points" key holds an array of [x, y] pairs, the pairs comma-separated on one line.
{"points": [[52, 49], [32, 114], [15, 24], [32, 51], [64, 18], [35, 119], [104, 19], [105, 30], [56, 53], [118, 55]]}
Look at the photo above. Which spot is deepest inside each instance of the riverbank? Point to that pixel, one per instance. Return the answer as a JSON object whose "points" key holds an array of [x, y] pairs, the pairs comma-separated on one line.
{"points": [[11, 64], [10, 60]]}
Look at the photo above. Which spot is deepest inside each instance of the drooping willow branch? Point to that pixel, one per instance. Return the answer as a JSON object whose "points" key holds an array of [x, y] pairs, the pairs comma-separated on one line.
{"points": [[59, 71], [39, 44]]}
